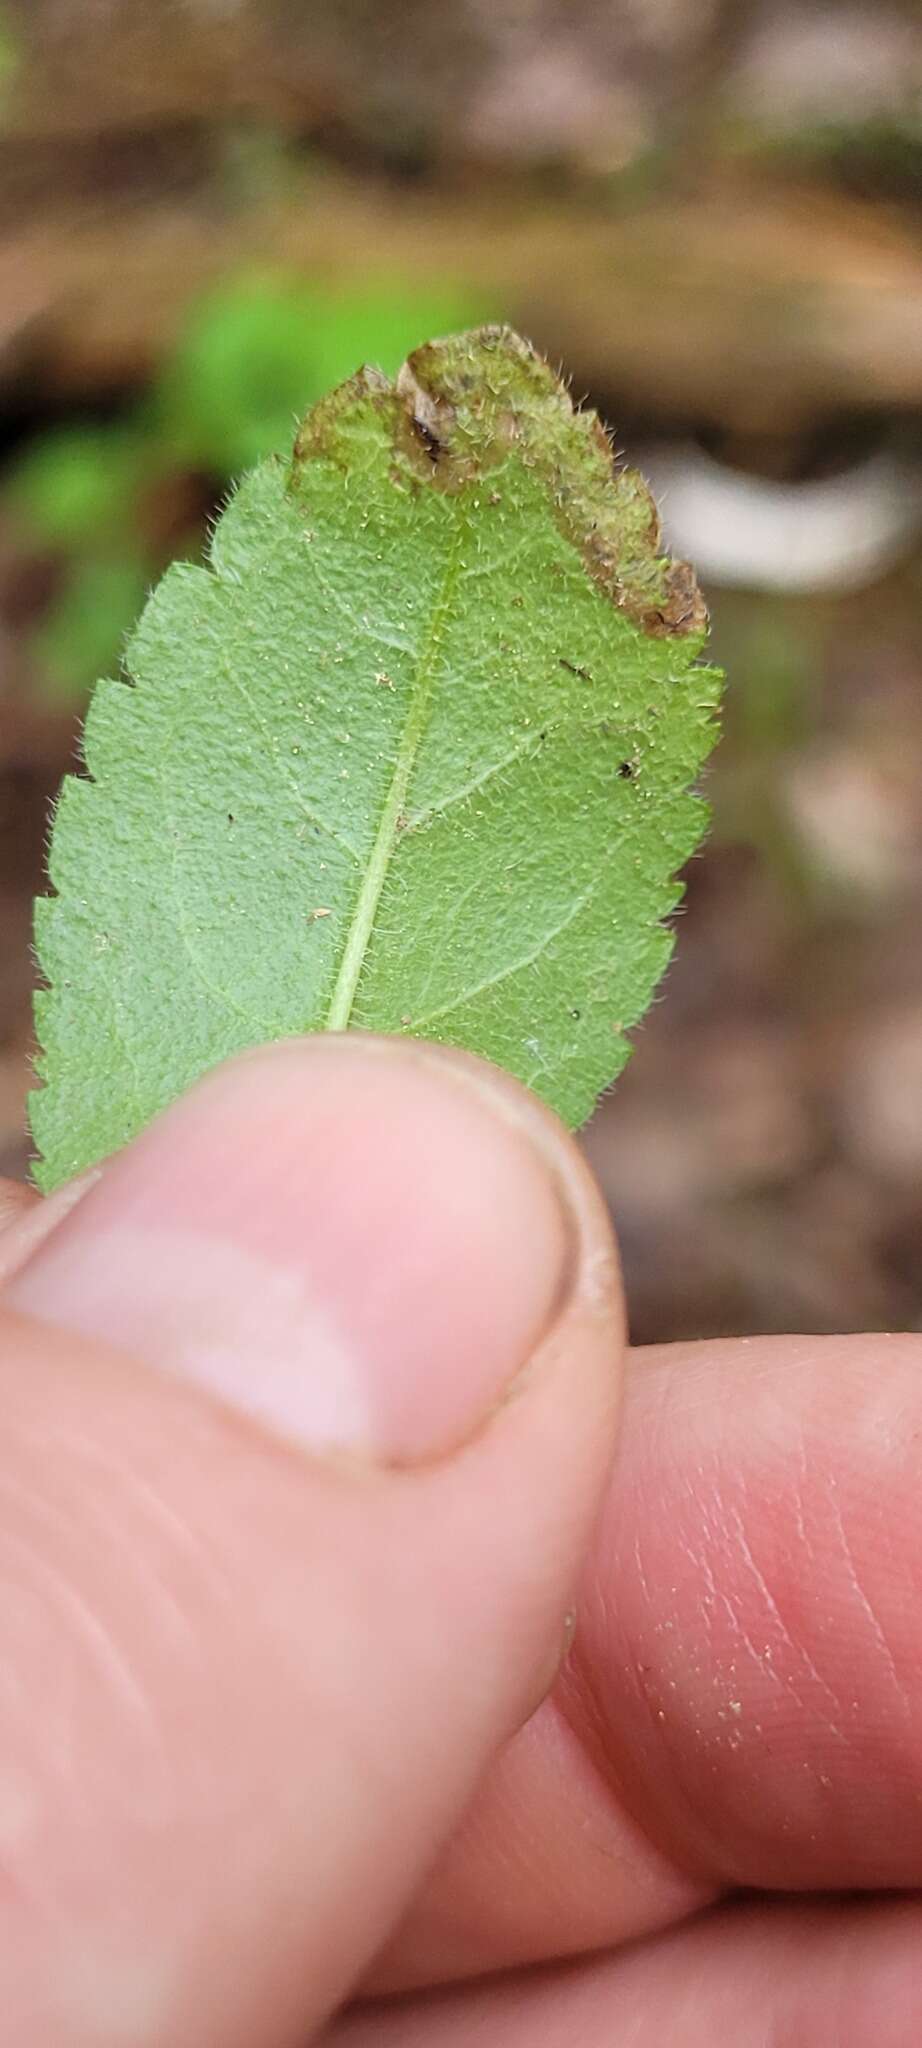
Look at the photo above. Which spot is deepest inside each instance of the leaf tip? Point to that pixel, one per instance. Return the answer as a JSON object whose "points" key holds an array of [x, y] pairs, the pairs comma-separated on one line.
{"points": [[462, 405]]}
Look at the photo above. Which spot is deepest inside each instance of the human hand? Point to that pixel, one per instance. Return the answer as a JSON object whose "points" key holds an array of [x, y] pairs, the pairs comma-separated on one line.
{"points": [[277, 1617]]}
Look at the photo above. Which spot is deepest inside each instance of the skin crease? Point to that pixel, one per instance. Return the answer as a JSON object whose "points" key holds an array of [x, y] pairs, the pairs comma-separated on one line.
{"points": [[740, 1712]]}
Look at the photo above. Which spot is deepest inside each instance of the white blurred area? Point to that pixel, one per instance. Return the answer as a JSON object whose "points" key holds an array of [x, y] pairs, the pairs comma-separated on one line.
{"points": [[837, 533]]}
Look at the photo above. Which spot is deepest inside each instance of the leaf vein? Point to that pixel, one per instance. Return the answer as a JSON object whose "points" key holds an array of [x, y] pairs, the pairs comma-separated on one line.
{"points": [[526, 960], [421, 820], [361, 924]]}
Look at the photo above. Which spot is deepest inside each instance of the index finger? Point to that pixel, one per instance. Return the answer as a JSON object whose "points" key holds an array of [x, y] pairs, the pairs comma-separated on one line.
{"points": [[742, 1706]]}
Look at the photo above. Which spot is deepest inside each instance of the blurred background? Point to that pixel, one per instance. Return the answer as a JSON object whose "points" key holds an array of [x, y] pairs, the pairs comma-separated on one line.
{"points": [[711, 212]]}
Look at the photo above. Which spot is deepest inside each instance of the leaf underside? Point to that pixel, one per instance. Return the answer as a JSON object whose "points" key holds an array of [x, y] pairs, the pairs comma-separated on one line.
{"points": [[411, 754]]}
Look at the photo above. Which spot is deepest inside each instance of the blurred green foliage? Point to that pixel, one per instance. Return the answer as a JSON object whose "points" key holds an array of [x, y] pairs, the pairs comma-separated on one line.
{"points": [[9, 52], [80, 634], [780, 649], [76, 481], [254, 353], [775, 647]]}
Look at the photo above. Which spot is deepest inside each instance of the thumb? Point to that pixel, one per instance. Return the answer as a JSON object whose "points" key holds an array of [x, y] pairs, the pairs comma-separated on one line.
{"points": [[307, 1406]]}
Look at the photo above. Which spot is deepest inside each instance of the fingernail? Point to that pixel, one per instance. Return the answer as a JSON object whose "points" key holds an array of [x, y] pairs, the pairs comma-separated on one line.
{"points": [[359, 1242]]}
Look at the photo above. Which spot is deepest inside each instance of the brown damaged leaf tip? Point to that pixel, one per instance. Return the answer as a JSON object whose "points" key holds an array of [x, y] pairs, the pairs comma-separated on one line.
{"points": [[461, 406]]}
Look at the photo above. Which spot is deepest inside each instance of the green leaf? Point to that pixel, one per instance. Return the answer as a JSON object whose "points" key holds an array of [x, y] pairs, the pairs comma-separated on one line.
{"points": [[412, 753]]}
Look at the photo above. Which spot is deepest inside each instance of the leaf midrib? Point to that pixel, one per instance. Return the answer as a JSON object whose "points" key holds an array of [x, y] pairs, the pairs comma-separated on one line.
{"points": [[362, 922]]}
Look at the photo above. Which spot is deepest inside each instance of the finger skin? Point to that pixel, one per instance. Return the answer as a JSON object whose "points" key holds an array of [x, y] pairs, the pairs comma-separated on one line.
{"points": [[838, 1976], [247, 1691], [25, 1219], [224, 1770], [753, 1619], [742, 1705], [15, 1200]]}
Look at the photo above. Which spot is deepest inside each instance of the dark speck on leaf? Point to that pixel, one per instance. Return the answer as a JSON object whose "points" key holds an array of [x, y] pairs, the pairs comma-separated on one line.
{"points": [[575, 669], [429, 439], [626, 771]]}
